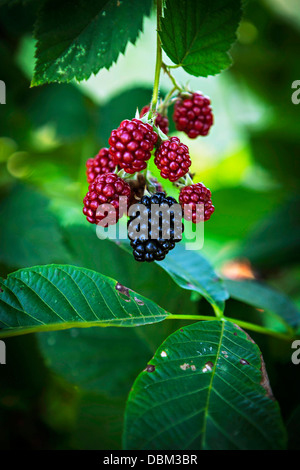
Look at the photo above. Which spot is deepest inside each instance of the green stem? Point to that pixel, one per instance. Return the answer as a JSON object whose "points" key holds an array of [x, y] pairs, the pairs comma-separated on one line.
{"points": [[164, 105], [241, 323], [167, 71], [158, 64]]}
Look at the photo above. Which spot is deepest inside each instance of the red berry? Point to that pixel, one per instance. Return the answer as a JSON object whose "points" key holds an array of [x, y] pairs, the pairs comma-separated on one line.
{"points": [[173, 159], [131, 145], [161, 121], [100, 165], [105, 189], [193, 195], [193, 115]]}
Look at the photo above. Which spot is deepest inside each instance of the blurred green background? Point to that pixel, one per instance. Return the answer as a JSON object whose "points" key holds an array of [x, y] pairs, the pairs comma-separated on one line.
{"points": [[249, 161]]}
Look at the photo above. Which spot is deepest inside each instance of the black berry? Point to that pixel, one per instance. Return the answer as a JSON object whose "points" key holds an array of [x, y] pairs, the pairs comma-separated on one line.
{"points": [[161, 228]]}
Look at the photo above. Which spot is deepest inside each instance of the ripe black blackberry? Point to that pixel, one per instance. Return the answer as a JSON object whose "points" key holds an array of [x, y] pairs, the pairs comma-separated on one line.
{"points": [[160, 227]]}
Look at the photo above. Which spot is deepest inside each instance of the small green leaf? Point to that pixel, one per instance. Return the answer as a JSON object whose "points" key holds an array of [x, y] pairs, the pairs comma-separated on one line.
{"points": [[197, 35], [264, 297], [57, 297], [205, 388], [77, 38]]}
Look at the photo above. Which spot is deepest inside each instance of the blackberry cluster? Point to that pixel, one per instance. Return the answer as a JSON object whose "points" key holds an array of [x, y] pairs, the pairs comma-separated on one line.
{"points": [[193, 115], [146, 248], [151, 229]]}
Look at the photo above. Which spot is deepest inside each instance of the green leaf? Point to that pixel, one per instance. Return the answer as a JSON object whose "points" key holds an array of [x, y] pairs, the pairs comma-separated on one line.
{"points": [[31, 234], [65, 108], [98, 360], [55, 297], [99, 423], [197, 35], [264, 297], [193, 272], [205, 388], [151, 281], [76, 38]]}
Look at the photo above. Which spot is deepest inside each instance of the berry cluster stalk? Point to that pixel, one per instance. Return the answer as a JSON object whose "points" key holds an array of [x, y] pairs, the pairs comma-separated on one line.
{"points": [[158, 64]]}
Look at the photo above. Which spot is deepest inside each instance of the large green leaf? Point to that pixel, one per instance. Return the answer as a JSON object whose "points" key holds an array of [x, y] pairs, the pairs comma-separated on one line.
{"points": [[197, 35], [107, 258], [47, 298], [205, 388], [192, 271], [264, 297], [99, 360], [77, 38]]}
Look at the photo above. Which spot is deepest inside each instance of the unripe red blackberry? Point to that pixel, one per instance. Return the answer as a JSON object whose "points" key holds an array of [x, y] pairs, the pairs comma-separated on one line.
{"points": [[172, 159], [99, 165], [105, 189], [131, 145], [160, 121], [193, 195], [193, 115]]}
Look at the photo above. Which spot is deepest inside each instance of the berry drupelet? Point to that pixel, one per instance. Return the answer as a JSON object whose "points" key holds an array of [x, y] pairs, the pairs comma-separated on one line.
{"points": [[192, 195], [160, 232], [193, 115], [172, 159], [161, 121], [105, 189], [131, 145], [100, 165]]}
